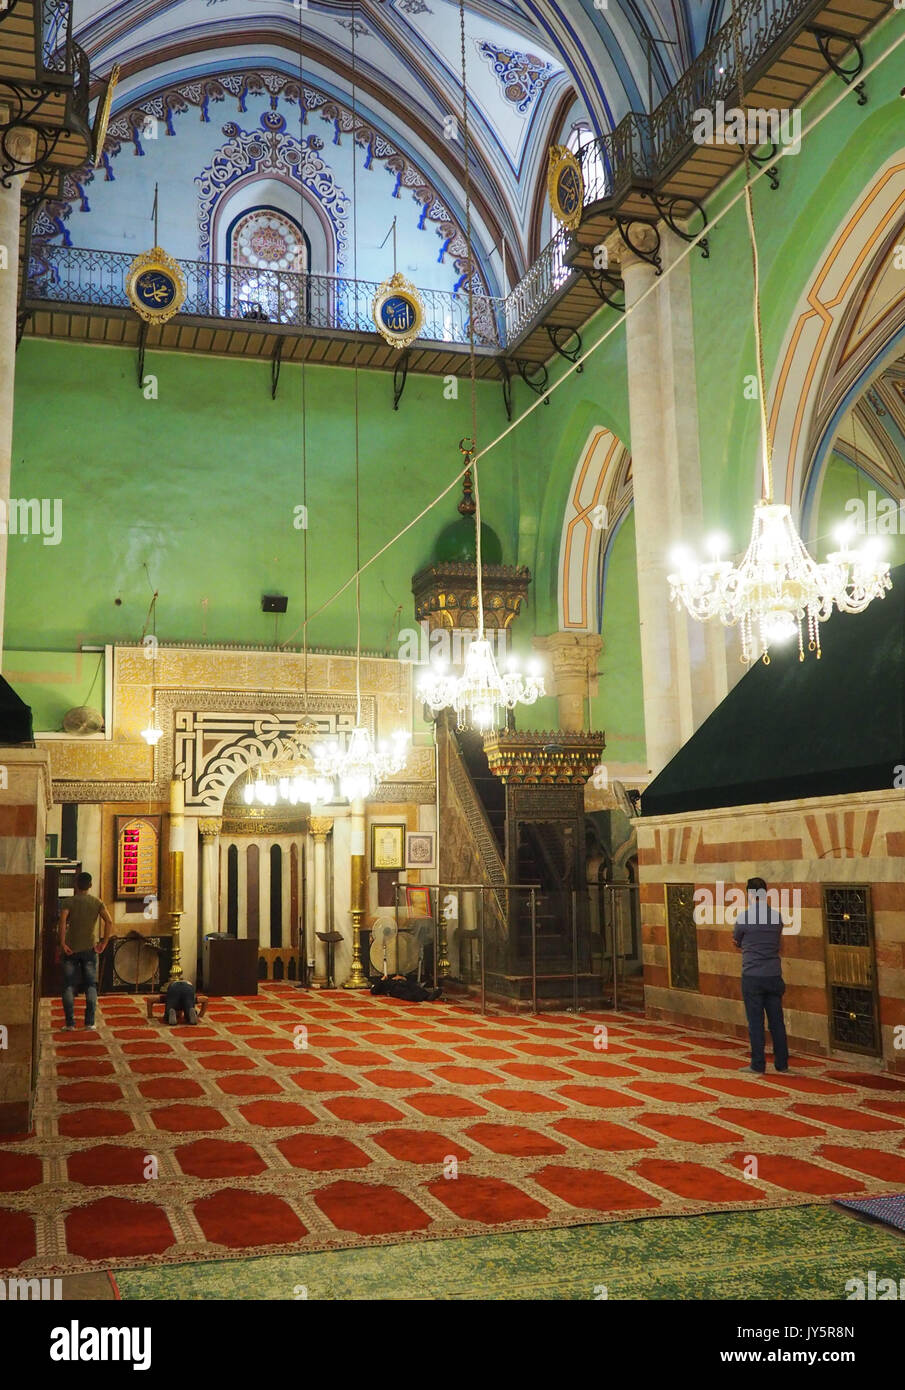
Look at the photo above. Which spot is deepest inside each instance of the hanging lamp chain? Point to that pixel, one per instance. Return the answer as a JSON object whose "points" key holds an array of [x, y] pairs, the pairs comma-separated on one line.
{"points": [[472, 356], [766, 444]]}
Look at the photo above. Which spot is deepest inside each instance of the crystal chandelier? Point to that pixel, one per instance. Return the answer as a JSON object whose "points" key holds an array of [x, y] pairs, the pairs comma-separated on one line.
{"points": [[778, 591], [361, 765], [290, 777], [153, 733], [480, 694]]}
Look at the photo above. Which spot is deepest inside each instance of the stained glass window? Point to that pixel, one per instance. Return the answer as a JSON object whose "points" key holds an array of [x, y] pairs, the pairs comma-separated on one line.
{"points": [[268, 253]]}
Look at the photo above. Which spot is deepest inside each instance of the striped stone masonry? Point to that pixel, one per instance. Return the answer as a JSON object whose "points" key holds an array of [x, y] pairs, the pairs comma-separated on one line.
{"points": [[24, 803], [849, 841]]}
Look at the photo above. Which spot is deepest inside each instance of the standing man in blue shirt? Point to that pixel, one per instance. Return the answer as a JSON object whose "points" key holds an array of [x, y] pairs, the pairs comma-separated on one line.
{"points": [[758, 931]]}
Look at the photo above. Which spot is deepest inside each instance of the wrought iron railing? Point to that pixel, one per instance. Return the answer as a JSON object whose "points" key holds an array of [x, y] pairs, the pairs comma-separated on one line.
{"points": [[644, 148], [537, 287], [75, 275], [55, 36], [639, 153]]}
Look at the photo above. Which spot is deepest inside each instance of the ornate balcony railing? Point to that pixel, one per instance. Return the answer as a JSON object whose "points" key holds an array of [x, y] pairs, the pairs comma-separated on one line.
{"points": [[536, 288], [640, 153], [74, 275], [644, 148], [55, 36]]}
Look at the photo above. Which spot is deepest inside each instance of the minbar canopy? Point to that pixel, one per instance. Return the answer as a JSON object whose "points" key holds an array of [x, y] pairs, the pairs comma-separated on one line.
{"points": [[798, 729]]}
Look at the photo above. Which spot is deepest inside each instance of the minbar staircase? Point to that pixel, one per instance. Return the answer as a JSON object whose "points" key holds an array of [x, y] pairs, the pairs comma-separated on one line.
{"points": [[538, 860]]}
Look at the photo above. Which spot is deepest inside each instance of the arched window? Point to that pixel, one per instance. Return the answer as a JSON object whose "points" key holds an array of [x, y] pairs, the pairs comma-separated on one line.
{"points": [[268, 253]]}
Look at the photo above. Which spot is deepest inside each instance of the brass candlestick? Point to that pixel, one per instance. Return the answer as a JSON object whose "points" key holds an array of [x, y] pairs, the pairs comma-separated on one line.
{"points": [[175, 914], [357, 978]]}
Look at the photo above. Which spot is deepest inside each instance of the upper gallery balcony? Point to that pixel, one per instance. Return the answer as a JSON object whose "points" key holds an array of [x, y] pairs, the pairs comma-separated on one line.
{"points": [[649, 170], [44, 81]]}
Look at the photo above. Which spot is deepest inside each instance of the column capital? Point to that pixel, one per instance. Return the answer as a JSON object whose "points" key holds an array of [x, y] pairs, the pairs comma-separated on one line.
{"points": [[573, 660], [320, 827], [210, 827], [572, 654]]}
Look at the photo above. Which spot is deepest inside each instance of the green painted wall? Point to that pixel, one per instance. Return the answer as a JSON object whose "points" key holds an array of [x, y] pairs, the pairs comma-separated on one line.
{"points": [[194, 494], [54, 682], [619, 699]]}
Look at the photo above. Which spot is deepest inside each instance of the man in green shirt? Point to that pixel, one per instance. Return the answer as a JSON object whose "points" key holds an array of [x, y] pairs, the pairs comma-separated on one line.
{"points": [[81, 948]]}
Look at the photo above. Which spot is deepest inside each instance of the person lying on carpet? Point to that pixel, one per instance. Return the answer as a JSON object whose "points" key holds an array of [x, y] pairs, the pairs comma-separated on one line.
{"points": [[180, 1000], [398, 987]]}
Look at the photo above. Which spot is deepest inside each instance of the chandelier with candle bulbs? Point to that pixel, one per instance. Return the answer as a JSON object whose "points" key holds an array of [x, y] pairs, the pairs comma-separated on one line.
{"points": [[480, 694], [291, 776], [778, 590]]}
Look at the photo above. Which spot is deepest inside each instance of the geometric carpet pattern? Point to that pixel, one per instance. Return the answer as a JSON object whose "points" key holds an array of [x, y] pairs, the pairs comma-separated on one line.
{"points": [[788, 1253], [383, 1122]]}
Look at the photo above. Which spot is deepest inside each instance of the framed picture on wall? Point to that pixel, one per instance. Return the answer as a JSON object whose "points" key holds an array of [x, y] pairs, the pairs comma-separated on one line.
{"points": [[420, 849], [418, 902], [387, 846]]}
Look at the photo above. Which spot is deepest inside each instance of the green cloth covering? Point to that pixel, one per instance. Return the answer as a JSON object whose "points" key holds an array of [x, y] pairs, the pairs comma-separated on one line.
{"points": [[796, 729]]}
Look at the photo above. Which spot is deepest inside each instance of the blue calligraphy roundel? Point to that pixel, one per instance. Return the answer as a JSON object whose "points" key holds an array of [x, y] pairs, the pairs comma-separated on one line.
{"points": [[568, 190], [398, 314], [155, 289]]}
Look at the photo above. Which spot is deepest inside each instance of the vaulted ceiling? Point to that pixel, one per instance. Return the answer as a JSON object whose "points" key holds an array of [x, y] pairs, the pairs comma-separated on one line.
{"points": [[529, 63]]}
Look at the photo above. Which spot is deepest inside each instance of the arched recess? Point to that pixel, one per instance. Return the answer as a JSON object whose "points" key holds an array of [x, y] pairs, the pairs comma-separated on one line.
{"points": [[600, 497], [848, 323]]}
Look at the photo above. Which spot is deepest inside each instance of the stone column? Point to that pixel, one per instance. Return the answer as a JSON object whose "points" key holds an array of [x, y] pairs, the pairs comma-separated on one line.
{"points": [[209, 827], [573, 658], [320, 827], [19, 146], [680, 659]]}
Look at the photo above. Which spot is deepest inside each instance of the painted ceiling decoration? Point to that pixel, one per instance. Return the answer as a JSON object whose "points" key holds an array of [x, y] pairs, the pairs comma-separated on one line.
{"points": [[522, 76], [260, 151], [530, 61]]}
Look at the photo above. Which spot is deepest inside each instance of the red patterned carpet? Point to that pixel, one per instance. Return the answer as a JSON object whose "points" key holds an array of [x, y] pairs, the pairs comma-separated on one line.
{"points": [[156, 1144]]}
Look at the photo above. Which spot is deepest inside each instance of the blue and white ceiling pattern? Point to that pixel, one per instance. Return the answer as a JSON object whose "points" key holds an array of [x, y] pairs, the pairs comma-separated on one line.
{"points": [[528, 63]]}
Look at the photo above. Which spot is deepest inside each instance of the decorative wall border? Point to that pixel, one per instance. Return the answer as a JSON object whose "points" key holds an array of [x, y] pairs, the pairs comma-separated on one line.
{"points": [[799, 414], [274, 151]]}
